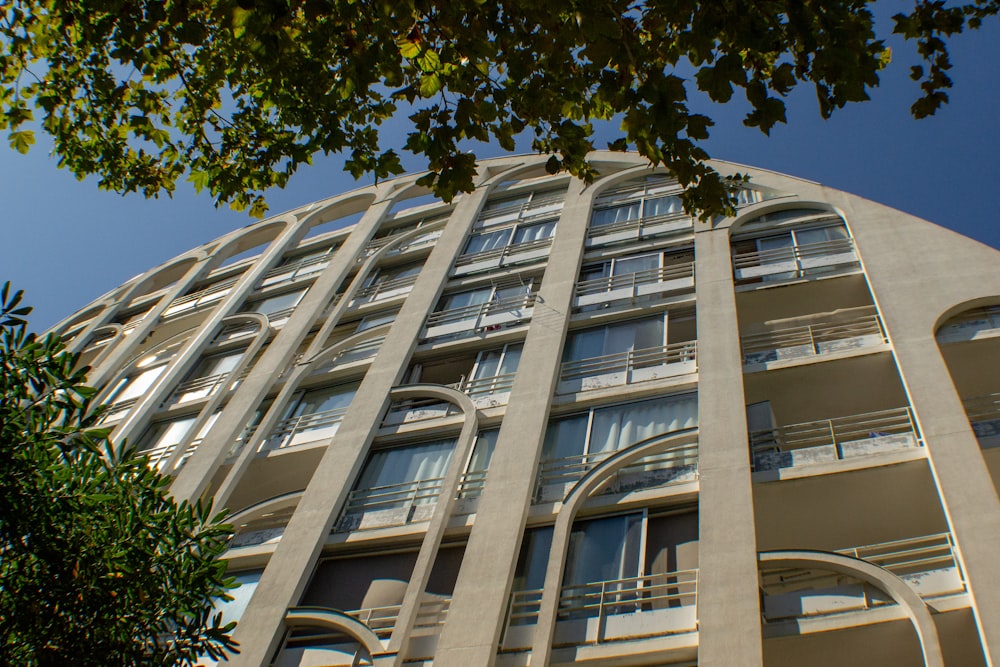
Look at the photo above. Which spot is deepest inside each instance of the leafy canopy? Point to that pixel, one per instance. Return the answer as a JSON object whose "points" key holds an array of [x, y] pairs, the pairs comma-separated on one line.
{"points": [[98, 566], [235, 95]]}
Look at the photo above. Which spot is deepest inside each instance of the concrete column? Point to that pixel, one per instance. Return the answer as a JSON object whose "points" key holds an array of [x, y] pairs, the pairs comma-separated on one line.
{"points": [[729, 631], [207, 330], [290, 567], [124, 349], [197, 473], [476, 616]]}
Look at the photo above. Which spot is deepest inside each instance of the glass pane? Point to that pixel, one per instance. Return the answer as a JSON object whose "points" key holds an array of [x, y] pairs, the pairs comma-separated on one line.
{"points": [[565, 437], [820, 234], [136, 386], [663, 206], [482, 453], [533, 560], [322, 400], [464, 299], [487, 241], [375, 320], [627, 265], [488, 364], [621, 426], [412, 463], [648, 333], [614, 215], [275, 303], [232, 610], [585, 344], [604, 550], [511, 357], [535, 232]]}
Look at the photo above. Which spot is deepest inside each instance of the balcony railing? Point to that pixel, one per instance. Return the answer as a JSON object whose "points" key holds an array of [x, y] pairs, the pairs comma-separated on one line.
{"points": [[677, 465], [971, 325], [639, 227], [381, 620], [484, 392], [984, 417], [501, 255], [385, 289], [199, 299], [482, 316], [377, 244], [927, 563], [792, 262], [295, 270], [617, 609], [304, 429], [537, 206], [813, 340], [630, 367], [673, 278], [202, 387], [403, 503], [829, 440]]}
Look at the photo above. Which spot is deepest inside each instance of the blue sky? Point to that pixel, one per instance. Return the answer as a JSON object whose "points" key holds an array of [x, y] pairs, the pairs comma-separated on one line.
{"points": [[66, 243]]}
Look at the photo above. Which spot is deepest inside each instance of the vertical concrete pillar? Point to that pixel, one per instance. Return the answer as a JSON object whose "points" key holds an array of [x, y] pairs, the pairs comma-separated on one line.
{"points": [[729, 631], [288, 572], [197, 473], [477, 612]]}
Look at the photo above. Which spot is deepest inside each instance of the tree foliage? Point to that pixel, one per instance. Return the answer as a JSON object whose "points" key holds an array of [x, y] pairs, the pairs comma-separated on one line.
{"points": [[98, 566], [235, 95]]}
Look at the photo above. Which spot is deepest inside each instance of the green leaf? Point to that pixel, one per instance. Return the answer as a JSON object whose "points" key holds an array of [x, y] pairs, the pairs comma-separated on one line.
{"points": [[22, 140], [430, 85]]}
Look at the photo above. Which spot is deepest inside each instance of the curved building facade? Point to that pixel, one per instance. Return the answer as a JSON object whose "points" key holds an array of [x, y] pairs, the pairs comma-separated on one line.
{"points": [[554, 423]]}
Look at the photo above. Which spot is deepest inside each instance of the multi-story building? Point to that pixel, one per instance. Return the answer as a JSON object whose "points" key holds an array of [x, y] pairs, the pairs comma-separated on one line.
{"points": [[555, 423]]}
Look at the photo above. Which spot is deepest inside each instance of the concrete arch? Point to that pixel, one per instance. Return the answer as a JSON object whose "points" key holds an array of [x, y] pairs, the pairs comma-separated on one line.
{"points": [[246, 239], [115, 330], [964, 307], [332, 619], [257, 510], [592, 481], [754, 211], [901, 592], [333, 210], [159, 278], [627, 174], [85, 317], [332, 351]]}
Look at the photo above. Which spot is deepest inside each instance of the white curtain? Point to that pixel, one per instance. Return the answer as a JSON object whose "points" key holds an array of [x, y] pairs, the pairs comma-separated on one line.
{"points": [[487, 241], [663, 206], [486, 442], [614, 215], [620, 426], [412, 463], [604, 550], [535, 232]]}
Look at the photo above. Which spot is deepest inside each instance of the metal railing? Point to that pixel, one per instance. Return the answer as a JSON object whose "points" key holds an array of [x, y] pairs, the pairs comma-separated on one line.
{"points": [[219, 289], [522, 210], [436, 408], [631, 281], [624, 362], [570, 469], [283, 432], [377, 244], [372, 291], [615, 596], [409, 494], [911, 559], [792, 259], [812, 339], [205, 386], [480, 310], [500, 253], [294, 269], [837, 431], [475, 387], [638, 224], [381, 620]]}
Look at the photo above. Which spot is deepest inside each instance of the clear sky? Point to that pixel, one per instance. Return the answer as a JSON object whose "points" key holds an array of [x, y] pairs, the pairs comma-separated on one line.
{"points": [[66, 243]]}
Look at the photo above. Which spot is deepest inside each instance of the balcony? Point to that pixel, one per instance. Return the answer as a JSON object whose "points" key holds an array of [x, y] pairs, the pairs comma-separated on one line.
{"points": [[304, 429], [199, 300], [203, 387], [794, 262], [422, 240], [517, 253], [406, 503], [825, 337], [971, 325], [488, 316], [487, 392], [639, 228], [927, 563], [383, 290], [984, 417], [613, 610], [311, 647], [676, 278], [304, 268], [557, 476], [832, 440], [633, 366]]}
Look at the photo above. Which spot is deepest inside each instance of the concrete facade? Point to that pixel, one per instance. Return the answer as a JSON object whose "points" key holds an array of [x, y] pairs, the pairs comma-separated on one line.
{"points": [[555, 423]]}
